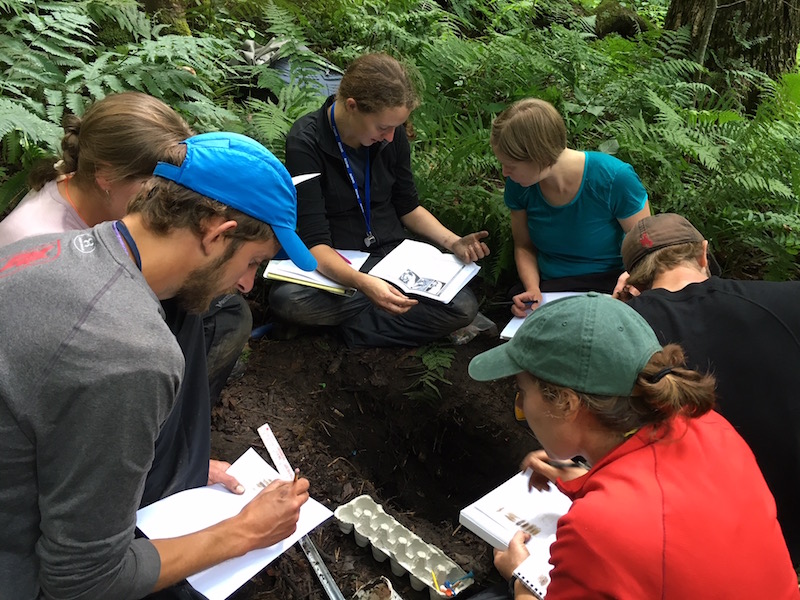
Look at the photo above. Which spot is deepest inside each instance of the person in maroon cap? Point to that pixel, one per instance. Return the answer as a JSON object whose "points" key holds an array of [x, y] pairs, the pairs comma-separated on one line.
{"points": [[746, 332]]}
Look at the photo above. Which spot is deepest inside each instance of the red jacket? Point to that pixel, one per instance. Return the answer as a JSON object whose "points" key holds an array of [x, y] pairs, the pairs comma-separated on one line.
{"points": [[683, 515]]}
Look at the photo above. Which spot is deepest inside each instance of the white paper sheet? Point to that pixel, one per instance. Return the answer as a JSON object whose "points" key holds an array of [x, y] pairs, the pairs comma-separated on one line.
{"points": [[516, 322], [192, 510]]}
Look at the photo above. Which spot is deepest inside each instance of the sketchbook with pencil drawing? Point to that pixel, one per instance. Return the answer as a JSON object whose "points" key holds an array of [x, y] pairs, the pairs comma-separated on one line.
{"points": [[420, 269], [511, 507]]}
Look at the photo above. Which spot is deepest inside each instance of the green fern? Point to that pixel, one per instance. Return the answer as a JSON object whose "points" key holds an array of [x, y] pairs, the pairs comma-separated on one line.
{"points": [[15, 117], [435, 361]]}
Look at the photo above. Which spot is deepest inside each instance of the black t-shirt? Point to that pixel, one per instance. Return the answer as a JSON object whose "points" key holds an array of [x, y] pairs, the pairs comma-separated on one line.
{"points": [[747, 334]]}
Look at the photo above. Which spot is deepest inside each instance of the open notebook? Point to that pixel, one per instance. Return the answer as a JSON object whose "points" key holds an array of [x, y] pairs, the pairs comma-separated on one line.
{"points": [[420, 269], [511, 507], [286, 270]]}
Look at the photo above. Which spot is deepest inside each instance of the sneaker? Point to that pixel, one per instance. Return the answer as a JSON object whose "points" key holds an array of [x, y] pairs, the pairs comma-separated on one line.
{"points": [[238, 369]]}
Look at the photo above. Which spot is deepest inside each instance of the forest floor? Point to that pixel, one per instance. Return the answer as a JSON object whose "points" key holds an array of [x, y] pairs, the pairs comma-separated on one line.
{"points": [[353, 424]]}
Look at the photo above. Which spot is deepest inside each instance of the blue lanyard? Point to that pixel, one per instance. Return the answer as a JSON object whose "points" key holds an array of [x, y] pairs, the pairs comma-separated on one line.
{"points": [[362, 204], [122, 232]]}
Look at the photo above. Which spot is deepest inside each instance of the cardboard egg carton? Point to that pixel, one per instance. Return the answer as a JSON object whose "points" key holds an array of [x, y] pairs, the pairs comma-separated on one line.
{"points": [[406, 551]]}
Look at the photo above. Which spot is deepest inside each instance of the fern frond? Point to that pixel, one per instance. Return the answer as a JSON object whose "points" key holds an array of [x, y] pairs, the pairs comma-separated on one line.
{"points": [[125, 13], [14, 117], [55, 105], [16, 6]]}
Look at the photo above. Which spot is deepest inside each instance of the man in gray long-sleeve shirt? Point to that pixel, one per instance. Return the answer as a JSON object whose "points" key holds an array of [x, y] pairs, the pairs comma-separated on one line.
{"points": [[89, 372]]}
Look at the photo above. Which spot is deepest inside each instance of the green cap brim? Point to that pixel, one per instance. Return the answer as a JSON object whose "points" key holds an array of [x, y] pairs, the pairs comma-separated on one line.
{"points": [[493, 364]]}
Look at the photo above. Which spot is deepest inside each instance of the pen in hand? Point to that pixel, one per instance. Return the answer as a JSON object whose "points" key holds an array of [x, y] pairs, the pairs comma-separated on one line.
{"points": [[567, 464], [527, 303]]}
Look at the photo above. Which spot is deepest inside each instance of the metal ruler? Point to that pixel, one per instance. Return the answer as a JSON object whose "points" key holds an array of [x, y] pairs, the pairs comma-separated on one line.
{"points": [[308, 547]]}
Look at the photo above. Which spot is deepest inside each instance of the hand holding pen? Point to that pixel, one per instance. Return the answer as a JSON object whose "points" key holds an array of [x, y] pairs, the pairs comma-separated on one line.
{"points": [[545, 469], [525, 302]]}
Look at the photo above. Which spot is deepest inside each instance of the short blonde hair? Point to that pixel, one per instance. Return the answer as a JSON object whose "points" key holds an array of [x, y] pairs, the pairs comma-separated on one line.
{"points": [[530, 130]]}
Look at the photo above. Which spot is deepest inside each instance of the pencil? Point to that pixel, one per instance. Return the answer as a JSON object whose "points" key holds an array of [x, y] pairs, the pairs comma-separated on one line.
{"points": [[344, 258], [296, 474]]}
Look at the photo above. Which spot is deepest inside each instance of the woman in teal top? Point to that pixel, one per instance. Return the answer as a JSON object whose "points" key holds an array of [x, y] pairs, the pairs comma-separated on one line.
{"points": [[570, 210]]}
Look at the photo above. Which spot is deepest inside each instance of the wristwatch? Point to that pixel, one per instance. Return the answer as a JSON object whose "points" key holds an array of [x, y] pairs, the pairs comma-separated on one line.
{"points": [[511, 584]]}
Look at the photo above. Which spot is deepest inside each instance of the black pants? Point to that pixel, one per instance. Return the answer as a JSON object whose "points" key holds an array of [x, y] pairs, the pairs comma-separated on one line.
{"points": [[227, 326]]}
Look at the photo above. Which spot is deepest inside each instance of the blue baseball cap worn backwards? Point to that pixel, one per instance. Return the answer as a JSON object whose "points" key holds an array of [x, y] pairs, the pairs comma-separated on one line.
{"points": [[237, 171]]}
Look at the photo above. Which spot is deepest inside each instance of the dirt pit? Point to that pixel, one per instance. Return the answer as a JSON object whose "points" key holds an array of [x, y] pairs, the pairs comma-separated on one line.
{"points": [[365, 422]]}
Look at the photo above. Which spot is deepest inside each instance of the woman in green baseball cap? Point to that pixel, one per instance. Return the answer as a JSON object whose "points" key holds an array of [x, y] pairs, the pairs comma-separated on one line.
{"points": [[672, 505]]}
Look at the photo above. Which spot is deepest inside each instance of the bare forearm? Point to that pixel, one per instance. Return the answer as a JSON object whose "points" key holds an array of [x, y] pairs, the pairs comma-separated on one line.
{"points": [[527, 268], [266, 520], [423, 223], [190, 554], [332, 265]]}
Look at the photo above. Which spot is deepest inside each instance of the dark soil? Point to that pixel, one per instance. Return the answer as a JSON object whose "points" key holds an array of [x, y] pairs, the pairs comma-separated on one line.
{"points": [[358, 422]]}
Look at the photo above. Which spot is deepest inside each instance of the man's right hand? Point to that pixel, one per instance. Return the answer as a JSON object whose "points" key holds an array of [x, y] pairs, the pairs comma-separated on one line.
{"points": [[385, 296], [272, 515], [267, 519]]}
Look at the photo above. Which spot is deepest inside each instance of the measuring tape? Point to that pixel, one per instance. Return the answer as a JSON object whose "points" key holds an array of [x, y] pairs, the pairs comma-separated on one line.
{"points": [[308, 547]]}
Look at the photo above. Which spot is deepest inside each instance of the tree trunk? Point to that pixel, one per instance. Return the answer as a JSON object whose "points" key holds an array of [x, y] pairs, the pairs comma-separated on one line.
{"points": [[698, 16], [171, 12], [763, 33]]}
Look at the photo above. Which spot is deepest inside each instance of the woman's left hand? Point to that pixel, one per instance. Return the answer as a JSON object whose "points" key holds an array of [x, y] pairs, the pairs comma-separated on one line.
{"points": [[470, 247], [507, 560]]}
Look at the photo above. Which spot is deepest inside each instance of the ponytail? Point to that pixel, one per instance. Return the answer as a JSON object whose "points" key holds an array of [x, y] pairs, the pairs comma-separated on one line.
{"points": [[50, 167], [664, 388], [668, 388], [125, 134]]}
